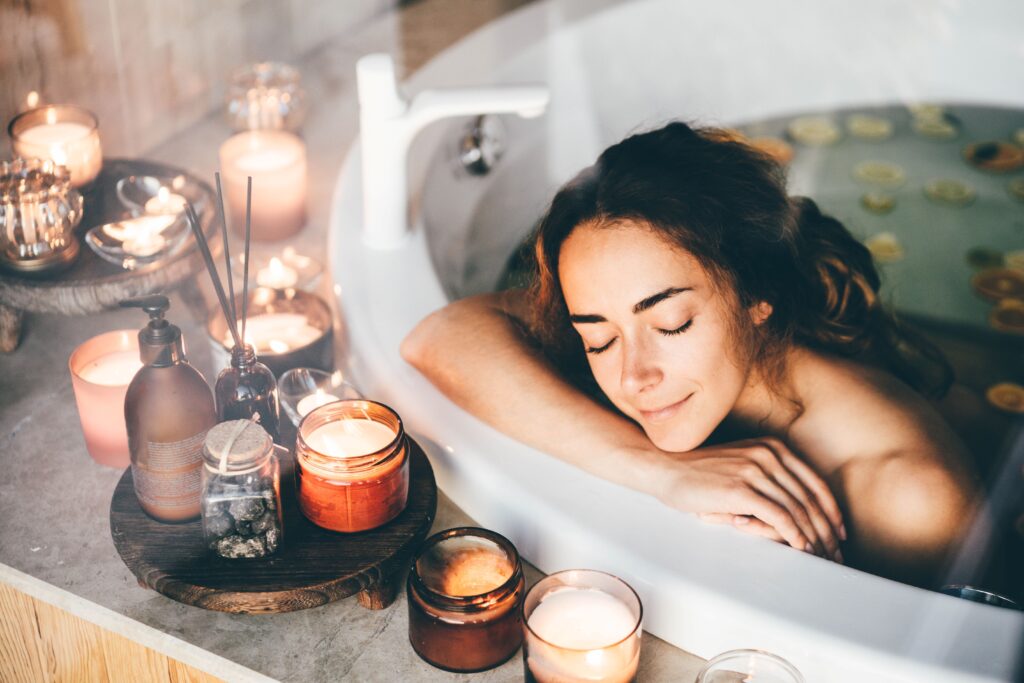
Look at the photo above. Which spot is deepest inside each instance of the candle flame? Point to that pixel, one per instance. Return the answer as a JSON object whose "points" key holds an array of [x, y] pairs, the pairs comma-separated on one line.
{"points": [[163, 194], [58, 154], [32, 100], [51, 116], [278, 346], [276, 266]]}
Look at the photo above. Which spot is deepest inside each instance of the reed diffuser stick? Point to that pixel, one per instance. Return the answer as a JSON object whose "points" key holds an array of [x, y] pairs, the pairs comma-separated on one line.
{"points": [[204, 249], [248, 239], [233, 320]]}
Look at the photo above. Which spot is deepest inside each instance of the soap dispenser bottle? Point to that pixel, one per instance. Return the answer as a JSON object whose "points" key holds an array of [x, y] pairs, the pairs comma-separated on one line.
{"points": [[168, 409]]}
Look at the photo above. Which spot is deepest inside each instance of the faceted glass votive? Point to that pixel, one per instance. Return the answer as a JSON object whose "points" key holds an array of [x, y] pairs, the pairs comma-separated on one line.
{"points": [[352, 465], [304, 389], [755, 666], [38, 215], [581, 625], [64, 134], [101, 370], [266, 96], [465, 591], [287, 328]]}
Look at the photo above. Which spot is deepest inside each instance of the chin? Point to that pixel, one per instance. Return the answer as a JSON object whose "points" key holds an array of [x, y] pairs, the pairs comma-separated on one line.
{"points": [[678, 440]]}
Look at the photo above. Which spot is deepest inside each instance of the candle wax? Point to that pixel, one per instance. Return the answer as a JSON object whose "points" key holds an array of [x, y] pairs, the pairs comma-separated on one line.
{"points": [[275, 333], [581, 619], [113, 369], [265, 160], [475, 572], [55, 133], [351, 438], [166, 202], [320, 398]]}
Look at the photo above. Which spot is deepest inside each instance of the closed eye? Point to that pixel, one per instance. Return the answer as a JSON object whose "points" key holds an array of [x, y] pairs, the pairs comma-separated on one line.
{"points": [[679, 330], [600, 349]]}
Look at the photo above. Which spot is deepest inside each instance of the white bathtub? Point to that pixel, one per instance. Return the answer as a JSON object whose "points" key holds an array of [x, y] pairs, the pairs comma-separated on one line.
{"points": [[612, 68]]}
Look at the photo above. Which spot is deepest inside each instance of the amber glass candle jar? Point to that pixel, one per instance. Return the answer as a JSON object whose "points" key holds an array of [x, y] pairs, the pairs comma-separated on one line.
{"points": [[352, 465], [465, 592]]}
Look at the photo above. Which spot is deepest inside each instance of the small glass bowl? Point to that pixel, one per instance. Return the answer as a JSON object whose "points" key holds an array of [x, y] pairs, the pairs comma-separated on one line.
{"points": [[38, 215], [136, 191], [319, 387], [755, 666], [266, 95], [134, 242]]}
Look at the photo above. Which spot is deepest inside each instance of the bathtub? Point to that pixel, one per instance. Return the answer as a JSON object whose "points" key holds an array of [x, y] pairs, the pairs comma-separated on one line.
{"points": [[613, 68]]}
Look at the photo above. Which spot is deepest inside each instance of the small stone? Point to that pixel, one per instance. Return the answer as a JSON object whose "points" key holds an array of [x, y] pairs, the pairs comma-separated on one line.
{"points": [[243, 527], [234, 547], [270, 499], [273, 538], [267, 521], [215, 506], [246, 509], [218, 525]]}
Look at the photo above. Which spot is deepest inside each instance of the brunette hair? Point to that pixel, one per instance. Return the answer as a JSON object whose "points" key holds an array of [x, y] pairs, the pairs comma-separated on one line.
{"points": [[725, 202]]}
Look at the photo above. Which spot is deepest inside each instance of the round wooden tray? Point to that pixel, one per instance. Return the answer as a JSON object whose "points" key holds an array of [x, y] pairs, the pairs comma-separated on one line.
{"points": [[90, 284], [314, 566]]}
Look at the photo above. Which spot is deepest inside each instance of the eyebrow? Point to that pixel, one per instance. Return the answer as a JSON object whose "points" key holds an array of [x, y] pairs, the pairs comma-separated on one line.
{"points": [[639, 307]]}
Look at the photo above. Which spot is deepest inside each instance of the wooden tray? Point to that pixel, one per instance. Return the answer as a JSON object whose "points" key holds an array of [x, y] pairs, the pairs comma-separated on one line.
{"points": [[314, 566], [90, 284]]}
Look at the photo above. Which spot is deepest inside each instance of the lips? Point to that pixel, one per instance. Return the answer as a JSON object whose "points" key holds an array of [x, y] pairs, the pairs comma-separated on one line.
{"points": [[664, 413]]}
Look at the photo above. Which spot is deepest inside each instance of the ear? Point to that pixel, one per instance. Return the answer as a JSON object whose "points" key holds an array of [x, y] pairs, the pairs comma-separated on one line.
{"points": [[760, 312]]}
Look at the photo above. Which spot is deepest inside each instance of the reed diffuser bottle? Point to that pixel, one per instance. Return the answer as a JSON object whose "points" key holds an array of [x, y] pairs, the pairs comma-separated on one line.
{"points": [[168, 410]]}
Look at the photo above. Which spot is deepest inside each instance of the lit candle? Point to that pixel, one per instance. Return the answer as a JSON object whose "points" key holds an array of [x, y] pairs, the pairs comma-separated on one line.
{"points": [[140, 236], [352, 463], [276, 275], [277, 333], [101, 370], [276, 160], [67, 135], [320, 398], [582, 626], [351, 438], [166, 203]]}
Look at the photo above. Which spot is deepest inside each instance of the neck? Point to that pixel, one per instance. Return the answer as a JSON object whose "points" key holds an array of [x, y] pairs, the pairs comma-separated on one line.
{"points": [[762, 409]]}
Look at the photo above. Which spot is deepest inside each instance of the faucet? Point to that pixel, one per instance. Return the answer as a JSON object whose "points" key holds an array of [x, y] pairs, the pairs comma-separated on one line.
{"points": [[388, 124]]}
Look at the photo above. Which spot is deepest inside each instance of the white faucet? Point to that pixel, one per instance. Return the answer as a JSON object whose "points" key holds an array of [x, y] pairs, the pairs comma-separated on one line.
{"points": [[388, 125]]}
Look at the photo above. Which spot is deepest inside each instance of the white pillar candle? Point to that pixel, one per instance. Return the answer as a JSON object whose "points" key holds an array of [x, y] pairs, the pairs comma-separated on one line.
{"points": [[112, 369], [71, 143], [309, 403], [276, 275], [351, 438], [276, 160]]}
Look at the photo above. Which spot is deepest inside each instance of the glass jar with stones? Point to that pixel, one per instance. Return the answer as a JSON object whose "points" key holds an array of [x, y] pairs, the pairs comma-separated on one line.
{"points": [[241, 496]]}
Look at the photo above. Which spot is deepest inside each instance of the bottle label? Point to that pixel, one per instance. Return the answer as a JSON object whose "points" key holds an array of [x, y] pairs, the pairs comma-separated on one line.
{"points": [[170, 477]]}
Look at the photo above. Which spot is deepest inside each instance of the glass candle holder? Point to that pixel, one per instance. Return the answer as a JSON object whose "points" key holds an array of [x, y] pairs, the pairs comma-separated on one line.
{"points": [[581, 625], [101, 370], [287, 269], [286, 328], [62, 133], [465, 591], [266, 96], [304, 389], [755, 666], [352, 465], [276, 161], [38, 214]]}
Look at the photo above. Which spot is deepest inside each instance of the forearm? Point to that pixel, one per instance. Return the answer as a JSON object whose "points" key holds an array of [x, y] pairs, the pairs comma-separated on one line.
{"points": [[475, 352]]}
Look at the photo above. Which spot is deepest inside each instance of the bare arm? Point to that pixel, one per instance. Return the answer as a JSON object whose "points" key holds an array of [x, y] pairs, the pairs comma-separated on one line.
{"points": [[475, 351]]}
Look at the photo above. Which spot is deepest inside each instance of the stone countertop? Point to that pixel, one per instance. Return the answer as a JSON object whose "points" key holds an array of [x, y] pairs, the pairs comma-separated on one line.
{"points": [[54, 500]]}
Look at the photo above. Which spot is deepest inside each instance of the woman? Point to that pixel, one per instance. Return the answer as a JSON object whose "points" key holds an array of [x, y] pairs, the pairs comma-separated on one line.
{"points": [[694, 333]]}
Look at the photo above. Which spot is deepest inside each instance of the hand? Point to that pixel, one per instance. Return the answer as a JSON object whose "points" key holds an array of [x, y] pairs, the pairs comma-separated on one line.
{"points": [[760, 487]]}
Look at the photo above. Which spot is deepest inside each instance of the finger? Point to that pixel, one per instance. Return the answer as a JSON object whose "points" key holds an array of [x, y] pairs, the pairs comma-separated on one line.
{"points": [[761, 480], [755, 527], [717, 517], [756, 504], [822, 525], [819, 488]]}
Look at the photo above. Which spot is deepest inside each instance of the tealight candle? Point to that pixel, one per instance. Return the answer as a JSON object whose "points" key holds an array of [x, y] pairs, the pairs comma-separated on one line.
{"points": [[67, 135], [276, 275], [352, 465], [276, 161], [582, 625], [166, 203], [101, 370], [465, 591], [320, 398], [140, 236]]}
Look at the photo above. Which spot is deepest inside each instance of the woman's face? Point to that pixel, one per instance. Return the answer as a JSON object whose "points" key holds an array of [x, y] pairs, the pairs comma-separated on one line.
{"points": [[658, 336]]}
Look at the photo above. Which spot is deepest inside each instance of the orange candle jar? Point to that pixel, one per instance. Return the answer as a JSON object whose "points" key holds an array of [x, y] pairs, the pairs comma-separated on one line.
{"points": [[352, 465]]}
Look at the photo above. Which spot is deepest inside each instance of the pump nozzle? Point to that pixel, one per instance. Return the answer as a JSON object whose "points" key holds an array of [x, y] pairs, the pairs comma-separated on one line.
{"points": [[159, 341], [154, 304]]}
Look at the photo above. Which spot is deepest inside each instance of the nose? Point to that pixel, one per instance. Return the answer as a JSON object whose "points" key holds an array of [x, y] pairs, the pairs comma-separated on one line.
{"points": [[640, 368]]}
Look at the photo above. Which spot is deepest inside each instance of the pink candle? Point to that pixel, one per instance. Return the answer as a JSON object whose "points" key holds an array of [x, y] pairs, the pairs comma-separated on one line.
{"points": [[68, 135], [101, 370], [276, 160]]}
